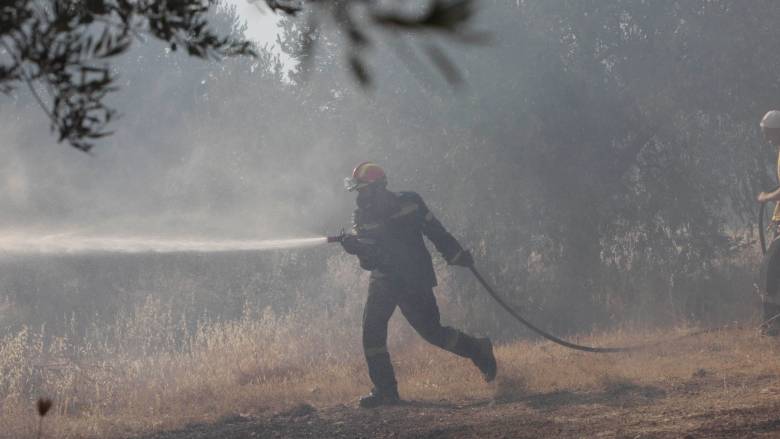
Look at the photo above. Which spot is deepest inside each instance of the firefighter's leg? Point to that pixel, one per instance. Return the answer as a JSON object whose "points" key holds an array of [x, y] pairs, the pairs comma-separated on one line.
{"points": [[379, 308], [420, 309], [770, 289]]}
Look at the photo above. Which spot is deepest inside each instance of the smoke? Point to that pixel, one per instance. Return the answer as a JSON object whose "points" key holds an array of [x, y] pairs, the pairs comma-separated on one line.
{"points": [[193, 161], [219, 150], [552, 168]]}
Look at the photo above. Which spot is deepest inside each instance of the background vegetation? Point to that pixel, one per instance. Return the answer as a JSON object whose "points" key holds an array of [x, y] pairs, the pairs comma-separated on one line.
{"points": [[600, 158]]}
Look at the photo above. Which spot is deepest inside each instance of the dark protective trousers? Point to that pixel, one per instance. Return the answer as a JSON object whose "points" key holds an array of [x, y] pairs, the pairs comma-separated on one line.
{"points": [[418, 306], [770, 287]]}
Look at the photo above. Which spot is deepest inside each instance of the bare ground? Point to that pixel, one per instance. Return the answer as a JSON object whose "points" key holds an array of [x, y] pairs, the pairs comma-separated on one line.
{"points": [[723, 398]]}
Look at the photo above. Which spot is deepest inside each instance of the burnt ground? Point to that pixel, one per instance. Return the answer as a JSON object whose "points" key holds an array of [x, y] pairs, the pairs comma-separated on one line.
{"points": [[704, 406]]}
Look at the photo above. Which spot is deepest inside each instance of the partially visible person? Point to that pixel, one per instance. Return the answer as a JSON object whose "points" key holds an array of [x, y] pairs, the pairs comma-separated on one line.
{"points": [[770, 266]]}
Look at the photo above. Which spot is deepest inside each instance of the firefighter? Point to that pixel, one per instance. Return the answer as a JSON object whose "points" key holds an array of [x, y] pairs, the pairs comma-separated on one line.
{"points": [[770, 266], [387, 237]]}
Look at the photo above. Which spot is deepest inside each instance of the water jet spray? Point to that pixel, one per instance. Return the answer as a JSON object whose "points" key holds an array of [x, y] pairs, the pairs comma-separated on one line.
{"points": [[66, 243]]}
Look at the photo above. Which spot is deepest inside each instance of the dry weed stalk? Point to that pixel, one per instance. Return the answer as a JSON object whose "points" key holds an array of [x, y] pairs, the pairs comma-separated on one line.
{"points": [[43, 405]]}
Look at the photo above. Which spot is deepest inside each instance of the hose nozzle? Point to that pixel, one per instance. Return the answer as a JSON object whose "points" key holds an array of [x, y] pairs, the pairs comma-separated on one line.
{"points": [[337, 238]]}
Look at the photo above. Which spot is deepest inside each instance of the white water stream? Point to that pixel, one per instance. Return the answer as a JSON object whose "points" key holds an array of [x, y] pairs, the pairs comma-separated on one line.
{"points": [[77, 244]]}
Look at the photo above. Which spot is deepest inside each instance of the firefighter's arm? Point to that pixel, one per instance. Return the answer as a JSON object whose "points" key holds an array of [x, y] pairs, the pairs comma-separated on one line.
{"points": [[445, 243], [362, 247], [365, 249], [765, 197]]}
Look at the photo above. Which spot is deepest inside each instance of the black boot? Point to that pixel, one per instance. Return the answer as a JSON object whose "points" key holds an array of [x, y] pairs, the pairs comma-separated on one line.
{"points": [[379, 398], [484, 359]]}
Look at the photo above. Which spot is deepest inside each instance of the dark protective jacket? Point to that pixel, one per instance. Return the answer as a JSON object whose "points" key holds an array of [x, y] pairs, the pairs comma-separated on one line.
{"points": [[394, 244]]}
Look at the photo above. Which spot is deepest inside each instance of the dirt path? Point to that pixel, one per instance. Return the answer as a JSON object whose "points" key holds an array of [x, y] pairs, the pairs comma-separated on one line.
{"points": [[703, 406]]}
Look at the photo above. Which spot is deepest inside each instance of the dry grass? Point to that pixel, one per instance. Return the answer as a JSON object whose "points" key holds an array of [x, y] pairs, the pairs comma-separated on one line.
{"points": [[141, 378]]}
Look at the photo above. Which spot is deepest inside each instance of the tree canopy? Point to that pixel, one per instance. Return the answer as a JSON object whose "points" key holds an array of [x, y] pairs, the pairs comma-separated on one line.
{"points": [[66, 47]]}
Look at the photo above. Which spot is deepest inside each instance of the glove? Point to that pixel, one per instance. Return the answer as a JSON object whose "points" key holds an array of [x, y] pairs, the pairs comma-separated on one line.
{"points": [[364, 248], [462, 258], [350, 244]]}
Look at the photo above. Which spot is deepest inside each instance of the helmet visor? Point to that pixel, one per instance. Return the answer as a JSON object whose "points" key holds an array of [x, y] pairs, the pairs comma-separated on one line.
{"points": [[351, 184]]}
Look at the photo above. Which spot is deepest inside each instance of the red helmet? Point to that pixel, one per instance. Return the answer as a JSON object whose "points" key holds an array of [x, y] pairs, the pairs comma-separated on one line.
{"points": [[365, 174]]}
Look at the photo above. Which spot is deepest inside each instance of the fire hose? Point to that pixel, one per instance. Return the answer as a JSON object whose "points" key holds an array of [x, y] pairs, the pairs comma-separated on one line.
{"points": [[761, 237], [539, 331], [578, 347], [761, 228]]}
